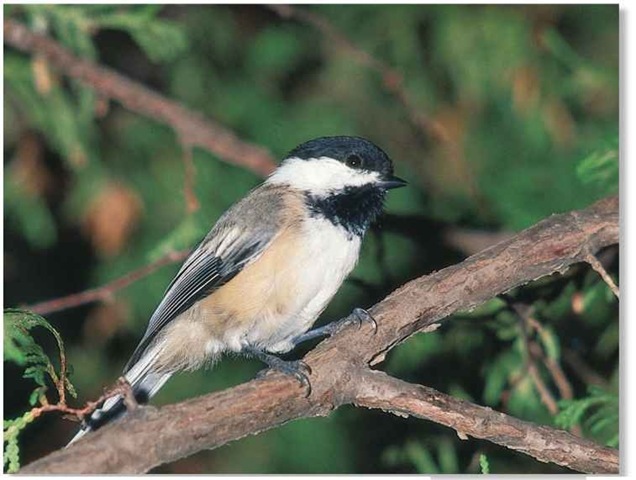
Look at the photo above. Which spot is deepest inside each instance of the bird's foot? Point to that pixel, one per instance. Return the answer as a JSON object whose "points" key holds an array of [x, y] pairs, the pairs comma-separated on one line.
{"points": [[295, 368], [357, 317]]}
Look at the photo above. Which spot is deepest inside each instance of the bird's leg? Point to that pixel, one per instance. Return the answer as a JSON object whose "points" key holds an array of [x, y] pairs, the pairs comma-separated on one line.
{"points": [[358, 317], [299, 369], [296, 368]]}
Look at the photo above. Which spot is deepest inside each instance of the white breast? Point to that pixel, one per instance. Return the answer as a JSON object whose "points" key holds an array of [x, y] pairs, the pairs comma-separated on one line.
{"points": [[326, 258]]}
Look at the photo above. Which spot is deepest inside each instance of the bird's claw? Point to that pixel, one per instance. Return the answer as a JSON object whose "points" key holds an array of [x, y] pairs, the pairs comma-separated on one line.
{"points": [[301, 371], [361, 316], [295, 368], [358, 316]]}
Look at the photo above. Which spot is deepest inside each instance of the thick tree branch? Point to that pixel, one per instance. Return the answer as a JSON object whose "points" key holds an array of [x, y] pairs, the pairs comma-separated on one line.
{"points": [[379, 390], [152, 437], [191, 127]]}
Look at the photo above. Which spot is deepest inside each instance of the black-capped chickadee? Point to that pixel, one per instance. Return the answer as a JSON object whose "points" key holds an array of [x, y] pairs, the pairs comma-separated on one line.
{"points": [[268, 268]]}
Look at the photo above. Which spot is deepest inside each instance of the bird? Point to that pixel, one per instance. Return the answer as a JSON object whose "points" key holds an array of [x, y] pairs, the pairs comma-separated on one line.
{"points": [[266, 270]]}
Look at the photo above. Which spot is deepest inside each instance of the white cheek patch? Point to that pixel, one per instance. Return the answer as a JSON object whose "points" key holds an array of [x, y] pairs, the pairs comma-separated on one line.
{"points": [[321, 175]]}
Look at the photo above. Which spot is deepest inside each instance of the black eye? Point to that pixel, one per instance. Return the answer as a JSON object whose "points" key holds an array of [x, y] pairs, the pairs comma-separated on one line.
{"points": [[353, 161]]}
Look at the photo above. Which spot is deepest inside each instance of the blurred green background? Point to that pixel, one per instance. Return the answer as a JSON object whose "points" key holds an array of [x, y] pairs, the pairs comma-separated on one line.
{"points": [[526, 100]]}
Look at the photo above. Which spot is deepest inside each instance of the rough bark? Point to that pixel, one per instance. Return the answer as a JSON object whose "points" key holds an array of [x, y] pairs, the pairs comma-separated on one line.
{"points": [[379, 390]]}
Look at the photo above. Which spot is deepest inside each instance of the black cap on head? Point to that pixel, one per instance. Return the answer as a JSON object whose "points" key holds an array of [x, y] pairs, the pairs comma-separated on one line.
{"points": [[356, 152]]}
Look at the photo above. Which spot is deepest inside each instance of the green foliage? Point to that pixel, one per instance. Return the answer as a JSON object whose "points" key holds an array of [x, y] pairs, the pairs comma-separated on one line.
{"points": [[483, 464], [597, 413], [162, 40], [11, 433], [601, 168], [55, 112], [21, 348], [182, 237], [470, 39], [67, 116], [30, 214], [75, 25], [275, 52], [440, 459]]}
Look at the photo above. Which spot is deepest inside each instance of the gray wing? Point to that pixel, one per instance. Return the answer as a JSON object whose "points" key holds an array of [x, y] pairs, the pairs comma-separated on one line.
{"points": [[239, 237]]}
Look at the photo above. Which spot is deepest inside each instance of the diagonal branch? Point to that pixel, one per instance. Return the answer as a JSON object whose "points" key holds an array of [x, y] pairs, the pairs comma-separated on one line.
{"points": [[392, 80], [105, 292], [598, 268], [192, 128], [379, 390], [150, 437]]}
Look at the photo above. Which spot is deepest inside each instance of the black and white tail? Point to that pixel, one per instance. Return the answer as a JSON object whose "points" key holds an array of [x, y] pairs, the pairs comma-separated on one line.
{"points": [[144, 382]]}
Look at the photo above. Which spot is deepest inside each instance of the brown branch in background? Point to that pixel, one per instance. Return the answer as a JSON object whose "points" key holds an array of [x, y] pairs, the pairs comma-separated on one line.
{"points": [[533, 352], [392, 80], [105, 292], [583, 370], [558, 378], [544, 392], [523, 313], [556, 372], [598, 268], [340, 375], [190, 126]]}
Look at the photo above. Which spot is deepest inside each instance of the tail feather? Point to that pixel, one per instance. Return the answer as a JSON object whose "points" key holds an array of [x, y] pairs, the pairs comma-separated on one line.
{"points": [[145, 384]]}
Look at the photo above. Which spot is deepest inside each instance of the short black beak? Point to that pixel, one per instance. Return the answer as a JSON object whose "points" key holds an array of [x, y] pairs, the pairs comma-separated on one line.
{"points": [[391, 181]]}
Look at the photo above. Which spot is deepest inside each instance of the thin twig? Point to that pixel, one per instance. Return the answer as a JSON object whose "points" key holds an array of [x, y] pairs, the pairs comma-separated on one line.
{"points": [[556, 372], [598, 267], [392, 80], [105, 292], [533, 351], [190, 126], [523, 313], [544, 392], [61, 388], [122, 387], [583, 370], [560, 379]]}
